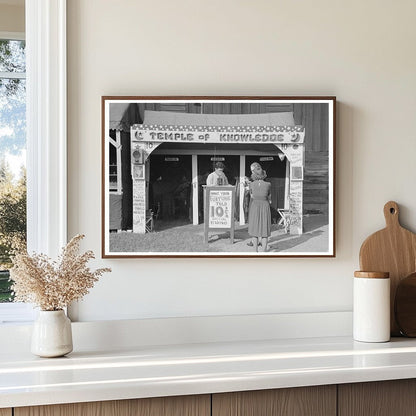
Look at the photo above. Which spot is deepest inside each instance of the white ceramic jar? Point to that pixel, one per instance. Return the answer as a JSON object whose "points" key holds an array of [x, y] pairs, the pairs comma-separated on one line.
{"points": [[371, 309], [52, 334]]}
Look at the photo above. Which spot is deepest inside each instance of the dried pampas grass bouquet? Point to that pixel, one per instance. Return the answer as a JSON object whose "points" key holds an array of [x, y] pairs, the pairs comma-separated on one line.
{"points": [[53, 285]]}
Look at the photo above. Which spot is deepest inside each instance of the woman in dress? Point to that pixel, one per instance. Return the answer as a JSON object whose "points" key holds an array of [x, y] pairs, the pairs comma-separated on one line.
{"points": [[259, 219]]}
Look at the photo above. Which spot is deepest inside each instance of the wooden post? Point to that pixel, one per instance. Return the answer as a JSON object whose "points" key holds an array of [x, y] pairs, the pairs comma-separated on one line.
{"points": [[206, 216], [195, 190], [287, 185], [294, 185], [295, 153], [242, 174], [118, 158], [139, 206], [232, 221]]}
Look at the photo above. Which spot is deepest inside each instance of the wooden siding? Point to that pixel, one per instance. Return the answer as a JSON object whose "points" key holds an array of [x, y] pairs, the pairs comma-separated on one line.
{"points": [[218, 108], [316, 183], [314, 117]]}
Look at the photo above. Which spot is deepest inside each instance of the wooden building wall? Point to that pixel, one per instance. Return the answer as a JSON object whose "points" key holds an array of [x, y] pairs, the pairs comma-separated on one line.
{"points": [[316, 175]]}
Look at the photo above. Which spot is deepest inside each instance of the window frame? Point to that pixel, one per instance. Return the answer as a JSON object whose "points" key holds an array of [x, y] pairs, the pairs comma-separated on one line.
{"points": [[14, 312], [46, 136], [46, 125]]}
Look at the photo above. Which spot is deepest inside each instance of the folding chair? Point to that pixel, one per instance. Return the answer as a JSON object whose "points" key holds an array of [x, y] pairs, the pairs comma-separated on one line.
{"points": [[285, 218], [149, 221]]}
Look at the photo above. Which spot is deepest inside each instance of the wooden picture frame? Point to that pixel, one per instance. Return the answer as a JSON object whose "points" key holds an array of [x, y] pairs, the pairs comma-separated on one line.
{"points": [[158, 152]]}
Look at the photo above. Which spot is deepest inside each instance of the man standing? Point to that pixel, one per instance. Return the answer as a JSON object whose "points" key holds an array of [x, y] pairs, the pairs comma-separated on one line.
{"points": [[217, 178]]}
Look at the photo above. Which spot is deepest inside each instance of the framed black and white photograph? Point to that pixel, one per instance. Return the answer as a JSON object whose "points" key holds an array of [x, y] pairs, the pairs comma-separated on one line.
{"points": [[218, 176]]}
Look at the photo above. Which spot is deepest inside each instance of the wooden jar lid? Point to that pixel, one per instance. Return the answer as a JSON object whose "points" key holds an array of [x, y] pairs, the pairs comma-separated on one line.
{"points": [[372, 275]]}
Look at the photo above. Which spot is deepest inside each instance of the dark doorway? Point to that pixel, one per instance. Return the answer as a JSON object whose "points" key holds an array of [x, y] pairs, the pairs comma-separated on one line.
{"points": [[170, 187], [276, 175]]}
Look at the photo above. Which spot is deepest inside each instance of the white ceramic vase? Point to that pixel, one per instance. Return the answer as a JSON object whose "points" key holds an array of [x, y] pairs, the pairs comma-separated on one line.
{"points": [[52, 334]]}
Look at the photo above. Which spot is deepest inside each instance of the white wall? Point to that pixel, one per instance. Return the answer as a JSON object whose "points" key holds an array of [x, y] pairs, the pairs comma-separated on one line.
{"points": [[361, 51]]}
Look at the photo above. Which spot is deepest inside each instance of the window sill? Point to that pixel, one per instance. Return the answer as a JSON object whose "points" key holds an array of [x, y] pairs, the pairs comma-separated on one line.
{"points": [[16, 313]]}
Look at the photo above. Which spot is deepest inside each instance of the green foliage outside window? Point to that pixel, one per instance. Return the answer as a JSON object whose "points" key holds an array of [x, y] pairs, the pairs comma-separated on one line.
{"points": [[12, 223], [5, 292]]}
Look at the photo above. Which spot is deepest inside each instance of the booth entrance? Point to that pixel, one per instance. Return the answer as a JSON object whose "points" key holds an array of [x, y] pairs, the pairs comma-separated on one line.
{"points": [[170, 182], [206, 165], [175, 181]]}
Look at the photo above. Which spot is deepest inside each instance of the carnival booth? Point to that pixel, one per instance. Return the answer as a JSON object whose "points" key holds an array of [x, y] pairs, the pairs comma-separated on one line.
{"points": [[172, 153]]}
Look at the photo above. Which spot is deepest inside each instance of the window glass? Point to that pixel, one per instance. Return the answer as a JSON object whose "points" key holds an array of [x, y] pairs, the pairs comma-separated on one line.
{"points": [[12, 56], [12, 156]]}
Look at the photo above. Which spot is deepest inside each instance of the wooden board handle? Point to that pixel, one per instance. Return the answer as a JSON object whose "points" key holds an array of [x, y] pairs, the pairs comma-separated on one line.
{"points": [[391, 214]]}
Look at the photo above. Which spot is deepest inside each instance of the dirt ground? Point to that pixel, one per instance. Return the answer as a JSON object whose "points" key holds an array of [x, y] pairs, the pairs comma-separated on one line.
{"points": [[180, 237]]}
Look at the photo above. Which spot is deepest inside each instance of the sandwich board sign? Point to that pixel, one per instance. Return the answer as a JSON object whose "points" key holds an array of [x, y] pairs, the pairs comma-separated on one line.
{"points": [[219, 207]]}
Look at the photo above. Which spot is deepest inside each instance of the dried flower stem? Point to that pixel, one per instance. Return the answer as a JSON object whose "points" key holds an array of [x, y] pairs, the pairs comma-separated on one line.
{"points": [[53, 285]]}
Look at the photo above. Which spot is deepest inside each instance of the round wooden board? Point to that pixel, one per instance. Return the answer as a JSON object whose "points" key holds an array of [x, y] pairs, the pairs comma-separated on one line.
{"points": [[405, 306], [392, 250]]}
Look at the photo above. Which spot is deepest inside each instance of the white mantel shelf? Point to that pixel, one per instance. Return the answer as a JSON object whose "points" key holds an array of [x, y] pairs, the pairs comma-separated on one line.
{"points": [[151, 371]]}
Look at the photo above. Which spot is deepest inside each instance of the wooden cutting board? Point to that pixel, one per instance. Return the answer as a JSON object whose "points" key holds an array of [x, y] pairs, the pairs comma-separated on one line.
{"points": [[393, 250], [405, 306]]}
